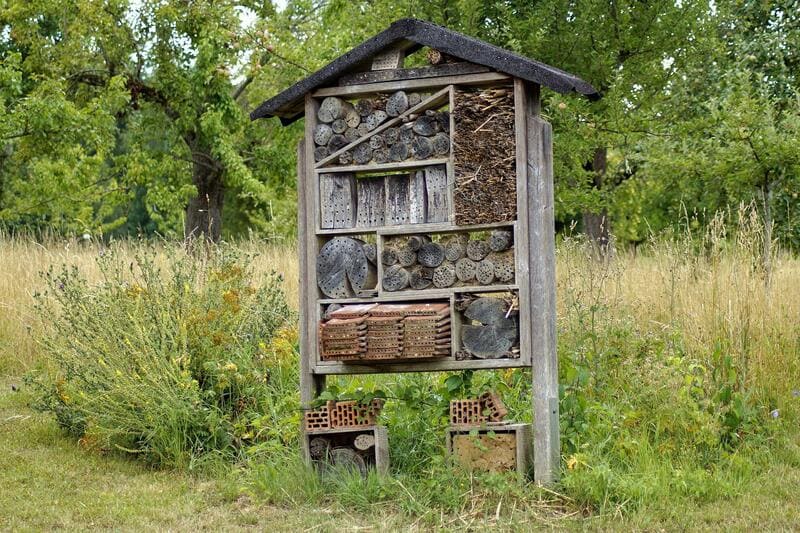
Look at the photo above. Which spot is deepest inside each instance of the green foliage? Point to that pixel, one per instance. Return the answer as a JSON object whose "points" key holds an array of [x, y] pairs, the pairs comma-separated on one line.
{"points": [[170, 361]]}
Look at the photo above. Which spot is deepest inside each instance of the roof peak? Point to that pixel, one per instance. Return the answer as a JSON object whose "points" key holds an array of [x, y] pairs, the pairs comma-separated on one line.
{"points": [[423, 33]]}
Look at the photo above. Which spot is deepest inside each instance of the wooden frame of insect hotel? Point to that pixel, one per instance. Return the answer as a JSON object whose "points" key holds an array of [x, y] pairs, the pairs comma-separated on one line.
{"points": [[425, 220]]}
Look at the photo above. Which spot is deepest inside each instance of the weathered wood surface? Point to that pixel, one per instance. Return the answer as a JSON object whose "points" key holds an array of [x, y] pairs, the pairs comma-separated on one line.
{"points": [[371, 202], [397, 201], [417, 198], [337, 200], [449, 69], [430, 254], [436, 189], [541, 249], [395, 278], [444, 275], [343, 269], [484, 78]]}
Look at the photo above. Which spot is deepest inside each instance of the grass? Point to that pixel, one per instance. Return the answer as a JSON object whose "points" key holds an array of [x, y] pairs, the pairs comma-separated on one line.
{"points": [[76, 489], [639, 324]]}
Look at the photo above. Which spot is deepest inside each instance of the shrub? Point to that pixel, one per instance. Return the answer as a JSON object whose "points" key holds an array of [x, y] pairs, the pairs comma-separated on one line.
{"points": [[169, 357]]}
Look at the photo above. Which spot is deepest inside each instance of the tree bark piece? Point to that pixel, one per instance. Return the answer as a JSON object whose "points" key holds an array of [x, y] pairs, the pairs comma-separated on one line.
{"points": [[330, 109], [395, 278], [406, 256], [351, 134], [322, 134], [417, 198], [430, 254], [364, 107], [489, 342], [351, 117], [487, 310], [371, 202], [375, 119], [406, 134], [396, 200], [339, 126], [484, 273], [343, 269], [465, 269], [500, 240], [453, 250], [376, 142], [389, 256], [415, 242], [441, 144], [362, 154], [503, 266], [337, 194], [346, 158], [421, 148], [436, 191], [337, 142], [477, 250], [398, 152], [414, 99], [420, 277], [390, 135], [371, 252], [380, 156], [364, 442], [426, 125], [321, 152], [444, 275], [397, 104]]}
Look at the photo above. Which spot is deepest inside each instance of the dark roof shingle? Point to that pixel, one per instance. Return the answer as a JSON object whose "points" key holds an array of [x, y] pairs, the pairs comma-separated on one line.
{"points": [[424, 34]]}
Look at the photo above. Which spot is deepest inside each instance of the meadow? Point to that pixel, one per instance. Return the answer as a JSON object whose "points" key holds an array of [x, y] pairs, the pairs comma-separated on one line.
{"points": [[680, 406]]}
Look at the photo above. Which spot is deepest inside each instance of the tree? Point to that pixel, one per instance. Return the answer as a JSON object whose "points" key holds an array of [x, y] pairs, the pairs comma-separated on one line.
{"points": [[132, 95]]}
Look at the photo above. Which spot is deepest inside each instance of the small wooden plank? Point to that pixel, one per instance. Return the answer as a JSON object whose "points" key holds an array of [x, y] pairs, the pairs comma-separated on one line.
{"points": [[337, 196], [426, 83], [381, 450], [447, 69], [445, 293], [436, 188], [397, 207], [418, 228], [371, 202], [417, 198], [439, 365], [521, 250], [432, 101], [384, 167]]}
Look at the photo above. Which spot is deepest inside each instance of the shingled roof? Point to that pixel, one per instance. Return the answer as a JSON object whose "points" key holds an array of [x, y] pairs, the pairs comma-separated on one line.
{"points": [[420, 33]]}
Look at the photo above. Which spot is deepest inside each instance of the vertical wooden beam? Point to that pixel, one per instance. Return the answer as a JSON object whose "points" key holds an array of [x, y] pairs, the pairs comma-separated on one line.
{"points": [[541, 246], [308, 244]]}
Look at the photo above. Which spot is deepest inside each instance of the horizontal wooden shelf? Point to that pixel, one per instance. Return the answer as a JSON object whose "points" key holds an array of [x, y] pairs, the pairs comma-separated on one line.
{"points": [[426, 294], [432, 227], [487, 78], [384, 167], [442, 365], [339, 430]]}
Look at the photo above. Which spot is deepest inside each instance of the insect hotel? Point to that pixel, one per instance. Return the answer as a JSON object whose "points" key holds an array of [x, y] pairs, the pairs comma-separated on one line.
{"points": [[426, 230]]}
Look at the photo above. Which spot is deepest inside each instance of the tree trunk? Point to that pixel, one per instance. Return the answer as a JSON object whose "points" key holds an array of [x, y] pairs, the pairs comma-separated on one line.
{"points": [[204, 212], [596, 224]]}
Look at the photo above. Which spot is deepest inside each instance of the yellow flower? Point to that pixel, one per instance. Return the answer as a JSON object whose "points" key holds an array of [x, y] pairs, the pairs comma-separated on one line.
{"points": [[230, 367]]}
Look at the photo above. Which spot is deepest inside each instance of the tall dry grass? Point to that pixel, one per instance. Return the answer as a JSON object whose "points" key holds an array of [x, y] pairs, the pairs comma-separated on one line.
{"points": [[712, 288]]}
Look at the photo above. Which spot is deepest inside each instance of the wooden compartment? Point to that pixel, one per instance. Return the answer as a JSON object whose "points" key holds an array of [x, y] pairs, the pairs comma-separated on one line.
{"points": [[493, 448], [486, 326], [417, 261], [346, 266], [358, 449]]}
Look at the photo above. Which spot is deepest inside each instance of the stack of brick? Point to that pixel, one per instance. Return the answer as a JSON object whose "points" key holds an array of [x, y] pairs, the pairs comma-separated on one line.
{"points": [[343, 415], [427, 331], [343, 336]]}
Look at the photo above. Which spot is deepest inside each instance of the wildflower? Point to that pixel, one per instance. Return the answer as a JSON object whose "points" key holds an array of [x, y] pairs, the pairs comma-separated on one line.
{"points": [[774, 413], [796, 393], [230, 367]]}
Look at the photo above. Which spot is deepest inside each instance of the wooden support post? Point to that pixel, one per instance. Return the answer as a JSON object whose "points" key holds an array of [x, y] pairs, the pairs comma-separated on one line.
{"points": [[541, 301], [308, 243]]}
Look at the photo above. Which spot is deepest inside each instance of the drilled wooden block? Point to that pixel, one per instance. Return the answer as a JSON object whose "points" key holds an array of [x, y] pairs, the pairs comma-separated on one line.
{"points": [[371, 202], [397, 207], [337, 200], [438, 206]]}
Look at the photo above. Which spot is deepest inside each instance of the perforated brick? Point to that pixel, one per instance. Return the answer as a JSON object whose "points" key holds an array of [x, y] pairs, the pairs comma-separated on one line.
{"points": [[466, 412], [493, 406], [351, 414], [317, 419]]}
